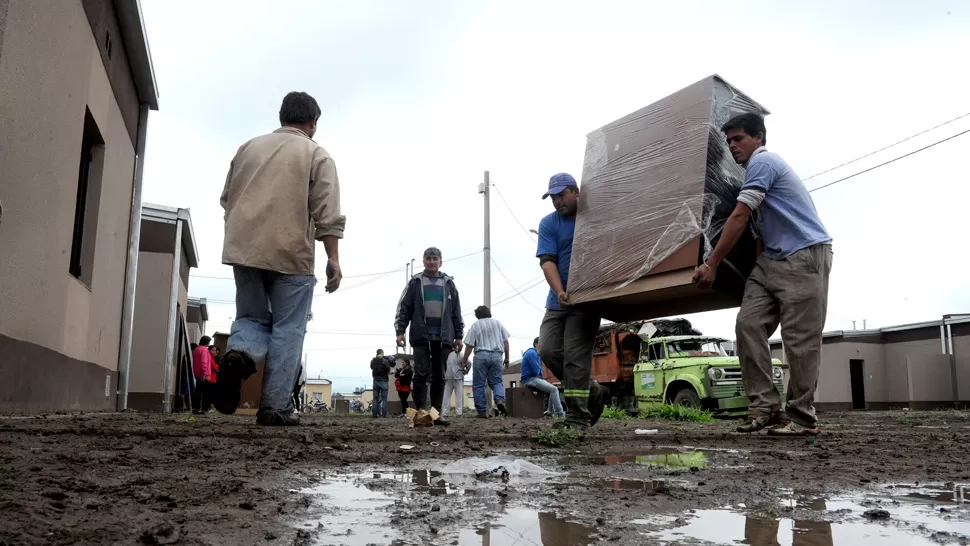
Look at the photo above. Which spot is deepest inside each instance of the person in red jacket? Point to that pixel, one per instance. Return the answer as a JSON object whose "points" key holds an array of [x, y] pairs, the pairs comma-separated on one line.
{"points": [[202, 369], [402, 384]]}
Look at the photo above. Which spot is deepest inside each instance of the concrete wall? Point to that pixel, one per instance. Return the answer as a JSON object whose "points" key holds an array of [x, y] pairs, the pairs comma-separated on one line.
{"points": [[46, 86], [151, 326]]}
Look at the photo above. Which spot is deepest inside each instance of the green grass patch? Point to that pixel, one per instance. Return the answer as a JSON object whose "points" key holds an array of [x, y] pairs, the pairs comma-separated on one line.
{"points": [[676, 413], [614, 412], [559, 437]]}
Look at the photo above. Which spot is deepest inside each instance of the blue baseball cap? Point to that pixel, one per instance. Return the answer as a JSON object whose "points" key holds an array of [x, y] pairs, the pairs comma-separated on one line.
{"points": [[560, 182]]}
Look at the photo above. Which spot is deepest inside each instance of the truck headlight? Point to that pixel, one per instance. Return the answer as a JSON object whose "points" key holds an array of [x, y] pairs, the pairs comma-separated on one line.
{"points": [[777, 372], [715, 373]]}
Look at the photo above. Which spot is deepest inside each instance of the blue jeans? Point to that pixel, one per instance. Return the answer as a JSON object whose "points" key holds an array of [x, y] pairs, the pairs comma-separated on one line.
{"points": [[378, 407], [271, 316], [545, 387], [487, 368]]}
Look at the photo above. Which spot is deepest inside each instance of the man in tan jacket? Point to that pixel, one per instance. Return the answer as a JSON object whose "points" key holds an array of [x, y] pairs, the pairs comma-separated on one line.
{"points": [[281, 196]]}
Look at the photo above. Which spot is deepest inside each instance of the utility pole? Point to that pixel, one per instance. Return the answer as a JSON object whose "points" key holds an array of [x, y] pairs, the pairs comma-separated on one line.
{"points": [[487, 291], [408, 273]]}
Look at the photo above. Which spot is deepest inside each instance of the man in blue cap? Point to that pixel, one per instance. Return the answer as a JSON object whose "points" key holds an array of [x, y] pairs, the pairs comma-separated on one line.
{"points": [[566, 336]]}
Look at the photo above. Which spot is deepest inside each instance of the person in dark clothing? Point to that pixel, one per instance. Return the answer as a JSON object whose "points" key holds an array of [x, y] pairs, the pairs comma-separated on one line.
{"points": [[402, 383], [430, 306], [380, 367]]}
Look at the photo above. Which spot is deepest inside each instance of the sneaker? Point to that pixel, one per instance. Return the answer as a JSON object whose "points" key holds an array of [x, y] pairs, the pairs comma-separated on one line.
{"points": [[791, 428], [442, 422], [500, 408], [235, 368], [273, 418], [598, 396], [757, 422]]}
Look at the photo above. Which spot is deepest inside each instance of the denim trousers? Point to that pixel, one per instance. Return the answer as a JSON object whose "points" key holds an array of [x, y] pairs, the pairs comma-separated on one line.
{"points": [[379, 405], [547, 388], [487, 368], [271, 316]]}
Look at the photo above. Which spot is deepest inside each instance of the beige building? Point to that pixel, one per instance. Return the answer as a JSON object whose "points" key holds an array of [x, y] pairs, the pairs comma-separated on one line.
{"points": [[197, 314], [901, 366], [76, 85], [161, 340], [318, 390]]}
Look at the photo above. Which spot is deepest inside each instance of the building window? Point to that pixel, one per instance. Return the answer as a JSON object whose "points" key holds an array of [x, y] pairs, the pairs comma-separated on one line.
{"points": [[88, 201], [512, 384], [317, 397]]}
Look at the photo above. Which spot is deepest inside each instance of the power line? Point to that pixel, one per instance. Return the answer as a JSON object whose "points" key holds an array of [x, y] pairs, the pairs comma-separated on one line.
{"points": [[513, 286], [890, 161], [887, 147], [514, 217], [359, 276]]}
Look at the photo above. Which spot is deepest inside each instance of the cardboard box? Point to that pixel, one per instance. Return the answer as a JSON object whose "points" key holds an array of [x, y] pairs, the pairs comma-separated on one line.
{"points": [[657, 187]]}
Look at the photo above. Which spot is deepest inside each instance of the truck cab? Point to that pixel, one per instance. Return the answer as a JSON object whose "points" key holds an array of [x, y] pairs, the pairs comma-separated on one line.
{"points": [[693, 371]]}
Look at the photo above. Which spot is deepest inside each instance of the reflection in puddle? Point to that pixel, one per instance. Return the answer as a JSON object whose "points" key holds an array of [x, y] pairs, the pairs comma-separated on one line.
{"points": [[525, 526], [661, 458], [631, 485], [353, 514], [910, 525], [357, 509]]}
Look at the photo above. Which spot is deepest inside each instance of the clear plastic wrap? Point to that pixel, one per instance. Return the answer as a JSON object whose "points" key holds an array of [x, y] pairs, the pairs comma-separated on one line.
{"points": [[657, 187]]}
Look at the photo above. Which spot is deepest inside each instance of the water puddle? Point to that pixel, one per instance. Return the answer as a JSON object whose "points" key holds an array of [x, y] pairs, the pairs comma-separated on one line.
{"points": [[353, 515], [524, 526], [840, 521], [661, 458]]}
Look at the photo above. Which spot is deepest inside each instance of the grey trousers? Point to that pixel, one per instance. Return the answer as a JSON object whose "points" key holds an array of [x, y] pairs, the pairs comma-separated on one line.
{"points": [[566, 347], [794, 292]]}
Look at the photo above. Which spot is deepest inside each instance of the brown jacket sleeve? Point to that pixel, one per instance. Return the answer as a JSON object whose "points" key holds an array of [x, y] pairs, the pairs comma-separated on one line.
{"points": [[224, 199], [325, 197]]}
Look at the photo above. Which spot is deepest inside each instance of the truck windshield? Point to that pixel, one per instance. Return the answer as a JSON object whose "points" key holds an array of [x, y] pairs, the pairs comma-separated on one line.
{"points": [[687, 348]]}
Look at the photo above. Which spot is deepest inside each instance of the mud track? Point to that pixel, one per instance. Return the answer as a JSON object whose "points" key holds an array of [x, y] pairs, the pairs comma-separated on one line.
{"points": [[155, 479]]}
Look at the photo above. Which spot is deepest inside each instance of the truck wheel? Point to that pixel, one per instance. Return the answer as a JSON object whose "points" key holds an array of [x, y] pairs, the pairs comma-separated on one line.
{"points": [[687, 397]]}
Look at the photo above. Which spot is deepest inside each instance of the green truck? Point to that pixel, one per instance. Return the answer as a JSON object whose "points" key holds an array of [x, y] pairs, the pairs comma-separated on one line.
{"points": [[692, 370], [668, 361]]}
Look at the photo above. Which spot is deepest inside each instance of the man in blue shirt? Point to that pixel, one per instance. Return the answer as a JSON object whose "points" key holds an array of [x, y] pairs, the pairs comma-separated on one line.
{"points": [[789, 283], [532, 377], [566, 336]]}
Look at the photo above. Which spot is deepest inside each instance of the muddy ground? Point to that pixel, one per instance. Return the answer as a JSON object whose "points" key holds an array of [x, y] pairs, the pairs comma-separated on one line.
{"points": [[156, 479]]}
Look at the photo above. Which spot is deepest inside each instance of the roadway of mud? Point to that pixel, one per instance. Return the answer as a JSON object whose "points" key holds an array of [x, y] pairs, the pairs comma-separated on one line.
{"points": [[154, 479]]}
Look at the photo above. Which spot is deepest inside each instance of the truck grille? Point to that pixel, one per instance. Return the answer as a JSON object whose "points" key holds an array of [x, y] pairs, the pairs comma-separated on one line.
{"points": [[731, 385]]}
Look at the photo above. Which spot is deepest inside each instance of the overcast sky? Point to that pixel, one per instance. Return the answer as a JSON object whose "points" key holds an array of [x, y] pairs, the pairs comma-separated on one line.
{"points": [[420, 97]]}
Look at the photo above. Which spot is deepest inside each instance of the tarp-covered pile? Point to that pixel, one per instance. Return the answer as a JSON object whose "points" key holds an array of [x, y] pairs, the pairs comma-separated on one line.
{"points": [[657, 187]]}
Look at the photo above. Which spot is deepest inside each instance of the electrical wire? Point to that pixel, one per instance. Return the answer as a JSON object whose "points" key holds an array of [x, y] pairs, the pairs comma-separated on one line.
{"points": [[887, 147], [843, 179], [359, 276], [514, 217], [513, 286]]}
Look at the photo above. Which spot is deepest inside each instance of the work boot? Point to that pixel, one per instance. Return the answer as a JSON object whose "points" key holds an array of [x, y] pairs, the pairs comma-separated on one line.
{"points": [[598, 397], [791, 428], [758, 421], [274, 418], [236, 367], [442, 422]]}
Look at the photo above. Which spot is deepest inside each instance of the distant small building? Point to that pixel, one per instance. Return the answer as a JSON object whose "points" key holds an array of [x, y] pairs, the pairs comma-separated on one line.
{"points": [[897, 366], [318, 390], [161, 340], [196, 315]]}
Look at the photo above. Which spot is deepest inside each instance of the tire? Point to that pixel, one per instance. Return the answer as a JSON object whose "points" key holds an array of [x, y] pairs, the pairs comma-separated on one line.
{"points": [[687, 397]]}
